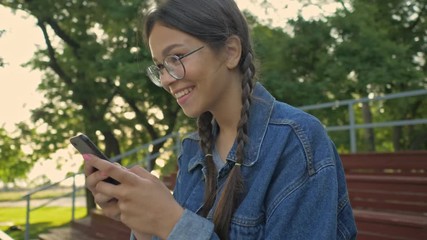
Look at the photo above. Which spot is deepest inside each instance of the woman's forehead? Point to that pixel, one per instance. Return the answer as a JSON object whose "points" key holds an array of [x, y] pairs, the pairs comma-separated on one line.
{"points": [[164, 39]]}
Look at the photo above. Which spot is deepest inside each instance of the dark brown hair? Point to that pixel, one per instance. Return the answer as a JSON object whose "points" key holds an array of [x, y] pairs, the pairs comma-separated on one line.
{"points": [[213, 22]]}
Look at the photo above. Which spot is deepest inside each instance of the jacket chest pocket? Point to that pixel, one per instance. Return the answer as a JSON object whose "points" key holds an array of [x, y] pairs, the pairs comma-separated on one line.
{"points": [[194, 198], [247, 227]]}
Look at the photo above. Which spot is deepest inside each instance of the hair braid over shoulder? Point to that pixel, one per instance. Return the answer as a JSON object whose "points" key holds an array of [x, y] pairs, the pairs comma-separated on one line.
{"points": [[206, 140], [234, 186]]}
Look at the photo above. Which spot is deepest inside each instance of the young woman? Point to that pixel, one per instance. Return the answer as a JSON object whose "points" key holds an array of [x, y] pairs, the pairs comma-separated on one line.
{"points": [[256, 169]]}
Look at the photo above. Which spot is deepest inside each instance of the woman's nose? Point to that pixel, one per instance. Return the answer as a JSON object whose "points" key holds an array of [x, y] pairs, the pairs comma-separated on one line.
{"points": [[166, 79]]}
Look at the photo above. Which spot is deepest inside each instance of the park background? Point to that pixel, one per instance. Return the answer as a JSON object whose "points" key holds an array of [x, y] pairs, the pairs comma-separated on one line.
{"points": [[83, 71]]}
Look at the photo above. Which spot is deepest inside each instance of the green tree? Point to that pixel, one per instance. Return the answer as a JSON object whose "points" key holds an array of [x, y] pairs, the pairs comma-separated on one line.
{"points": [[378, 46], [367, 48], [14, 164]]}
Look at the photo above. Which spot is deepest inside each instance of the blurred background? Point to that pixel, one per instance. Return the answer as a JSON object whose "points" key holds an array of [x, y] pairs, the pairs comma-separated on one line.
{"points": [[69, 67]]}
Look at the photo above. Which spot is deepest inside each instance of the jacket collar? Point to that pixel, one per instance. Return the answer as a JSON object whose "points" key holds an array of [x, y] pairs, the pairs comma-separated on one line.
{"points": [[259, 116]]}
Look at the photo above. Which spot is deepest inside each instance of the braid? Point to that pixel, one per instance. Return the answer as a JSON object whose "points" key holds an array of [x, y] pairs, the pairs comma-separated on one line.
{"points": [[206, 141], [234, 186]]}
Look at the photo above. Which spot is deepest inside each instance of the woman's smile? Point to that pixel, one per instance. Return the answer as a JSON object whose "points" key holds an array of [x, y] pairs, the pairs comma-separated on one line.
{"points": [[182, 95]]}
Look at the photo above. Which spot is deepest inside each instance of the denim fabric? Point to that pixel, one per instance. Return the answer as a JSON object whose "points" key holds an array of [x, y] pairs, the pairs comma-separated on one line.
{"points": [[295, 183]]}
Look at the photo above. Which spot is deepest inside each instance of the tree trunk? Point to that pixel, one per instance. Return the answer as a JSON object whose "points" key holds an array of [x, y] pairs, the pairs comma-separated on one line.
{"points": [[112, 147], [397, 136], [90, 201], [370, 135]]}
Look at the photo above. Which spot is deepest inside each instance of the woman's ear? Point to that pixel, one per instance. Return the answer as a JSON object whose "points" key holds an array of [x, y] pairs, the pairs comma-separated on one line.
{"points": [[233, 49]]}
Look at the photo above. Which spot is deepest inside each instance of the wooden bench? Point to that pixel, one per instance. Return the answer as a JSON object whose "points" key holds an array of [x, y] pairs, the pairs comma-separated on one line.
{"points": [[102, 227], [95, 227], [388, 193]]}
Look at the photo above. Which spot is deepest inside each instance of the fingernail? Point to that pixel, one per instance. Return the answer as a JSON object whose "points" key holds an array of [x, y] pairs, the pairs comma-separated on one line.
{"points": [[86, 156]]}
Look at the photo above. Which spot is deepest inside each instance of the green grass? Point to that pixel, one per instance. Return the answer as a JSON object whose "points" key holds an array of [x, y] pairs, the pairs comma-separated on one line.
{"points": [[49, 193], [41, 220]]}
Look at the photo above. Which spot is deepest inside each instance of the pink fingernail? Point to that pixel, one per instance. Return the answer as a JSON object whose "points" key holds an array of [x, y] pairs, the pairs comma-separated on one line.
{"points": [[86, 156]]}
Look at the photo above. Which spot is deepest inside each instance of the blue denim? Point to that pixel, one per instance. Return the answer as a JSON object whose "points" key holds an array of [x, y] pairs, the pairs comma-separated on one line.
{"points": [[294, 179]]}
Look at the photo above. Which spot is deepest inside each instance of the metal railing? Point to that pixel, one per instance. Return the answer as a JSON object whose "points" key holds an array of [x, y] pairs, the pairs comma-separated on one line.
{"points": [[28, 196], [353, 126], [145, 162]]}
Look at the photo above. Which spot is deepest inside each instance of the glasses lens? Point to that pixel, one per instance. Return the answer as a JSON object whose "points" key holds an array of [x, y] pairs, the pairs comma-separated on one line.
{"points": [[174, 67], [154, 75]]}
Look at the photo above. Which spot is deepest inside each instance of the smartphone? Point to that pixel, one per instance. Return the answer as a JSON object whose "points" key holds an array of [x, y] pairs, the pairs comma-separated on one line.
{"points": [[85, 146]]}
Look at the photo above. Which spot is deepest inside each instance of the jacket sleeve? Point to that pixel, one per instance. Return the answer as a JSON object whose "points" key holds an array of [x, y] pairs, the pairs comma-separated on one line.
{"points": [[193, 226], [190, 226]]}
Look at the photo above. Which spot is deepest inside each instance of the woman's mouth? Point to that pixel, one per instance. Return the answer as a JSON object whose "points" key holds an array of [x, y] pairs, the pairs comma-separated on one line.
{"points": [[183, 92]]}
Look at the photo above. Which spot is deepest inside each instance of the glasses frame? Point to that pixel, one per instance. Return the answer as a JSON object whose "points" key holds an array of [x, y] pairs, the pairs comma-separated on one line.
{"points": [[156, 78]]}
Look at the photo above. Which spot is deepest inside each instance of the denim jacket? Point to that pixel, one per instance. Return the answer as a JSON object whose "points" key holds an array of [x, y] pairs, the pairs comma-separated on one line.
{"points": [[294, 180]]}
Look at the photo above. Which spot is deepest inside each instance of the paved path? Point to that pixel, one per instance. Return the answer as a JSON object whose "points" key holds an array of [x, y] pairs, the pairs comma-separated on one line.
{"points": [[61, 202], [4, 236]]}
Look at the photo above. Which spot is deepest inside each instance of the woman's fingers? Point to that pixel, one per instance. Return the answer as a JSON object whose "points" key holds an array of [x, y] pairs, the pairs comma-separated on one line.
{"points": [[142, 172], [111, 209], [103, 199], [107, 168], [88, 169], [93, 179]]}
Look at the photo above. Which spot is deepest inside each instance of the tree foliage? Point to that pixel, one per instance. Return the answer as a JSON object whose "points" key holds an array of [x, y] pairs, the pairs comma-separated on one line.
{"points": [[14, 163], [367, 48]]}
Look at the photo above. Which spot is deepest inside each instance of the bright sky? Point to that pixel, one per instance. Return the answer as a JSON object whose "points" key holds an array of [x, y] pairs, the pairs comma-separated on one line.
{"points": [[18, 84]]}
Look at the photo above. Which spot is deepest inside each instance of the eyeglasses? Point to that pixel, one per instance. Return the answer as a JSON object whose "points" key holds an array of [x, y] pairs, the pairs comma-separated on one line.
{"points": [[173, 66]]}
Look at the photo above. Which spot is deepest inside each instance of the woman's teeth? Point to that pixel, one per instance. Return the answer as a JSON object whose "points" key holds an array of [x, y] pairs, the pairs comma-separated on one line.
{"points": [[183, 92]]}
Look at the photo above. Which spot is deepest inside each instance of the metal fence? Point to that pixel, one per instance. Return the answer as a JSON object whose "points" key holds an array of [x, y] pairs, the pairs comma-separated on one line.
{"points": [[353, 126]]}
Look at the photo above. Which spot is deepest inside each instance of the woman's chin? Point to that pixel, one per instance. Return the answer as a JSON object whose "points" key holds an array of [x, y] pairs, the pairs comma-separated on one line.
{"points": [[191, 112]]}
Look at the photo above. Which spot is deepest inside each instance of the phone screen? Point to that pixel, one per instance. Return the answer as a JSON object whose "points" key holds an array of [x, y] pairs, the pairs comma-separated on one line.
{"points": [[85, 146]]}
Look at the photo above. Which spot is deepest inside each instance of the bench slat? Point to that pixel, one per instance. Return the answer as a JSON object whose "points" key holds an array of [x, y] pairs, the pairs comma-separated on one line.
{"points": [[383, 196], [387, 206], [391, 187], [388, 179], [400, 163], [393, 225], [384, 230]]}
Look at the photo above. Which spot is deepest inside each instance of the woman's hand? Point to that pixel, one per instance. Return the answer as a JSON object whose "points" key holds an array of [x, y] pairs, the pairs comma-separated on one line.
{"points": [[141, 200], [107, 203]]}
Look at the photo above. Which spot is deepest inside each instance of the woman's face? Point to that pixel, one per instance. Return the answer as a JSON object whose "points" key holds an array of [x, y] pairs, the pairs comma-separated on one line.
{"points": [[207, 79]]}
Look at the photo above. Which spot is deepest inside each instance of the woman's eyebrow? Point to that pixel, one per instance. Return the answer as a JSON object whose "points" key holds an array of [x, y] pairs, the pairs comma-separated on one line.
{"points": [[166, 51]]}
